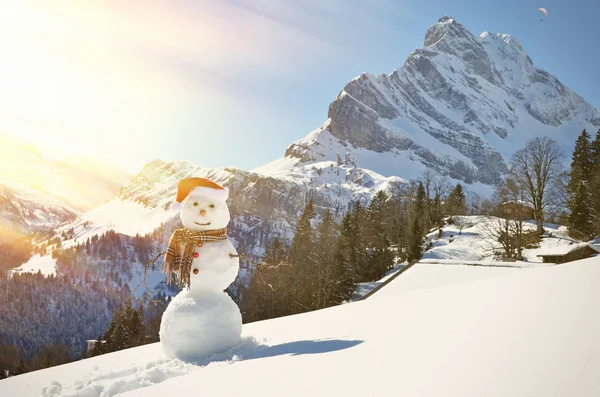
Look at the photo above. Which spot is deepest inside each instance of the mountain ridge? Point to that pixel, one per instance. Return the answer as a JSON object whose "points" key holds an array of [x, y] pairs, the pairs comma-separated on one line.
{"points": [[461, 106]]}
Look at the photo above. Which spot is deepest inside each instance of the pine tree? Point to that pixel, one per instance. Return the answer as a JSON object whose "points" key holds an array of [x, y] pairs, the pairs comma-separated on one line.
{"points": [[436, 210], [594, 188], [582, 162], [580, 220], [416, 232], [8, 360], [325, 259], [344, 272], [580, 183], [22, 367], [275, 252], [126, 329], [356, 233], [50, 355], [381, 257], [595, 149], [302, 258], [457, 204], [269, 293]]}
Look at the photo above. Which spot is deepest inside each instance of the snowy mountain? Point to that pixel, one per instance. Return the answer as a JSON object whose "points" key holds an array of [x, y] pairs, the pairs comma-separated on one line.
{"points": [[25, 210], [436, 330], [461, 106], [262, 207]]}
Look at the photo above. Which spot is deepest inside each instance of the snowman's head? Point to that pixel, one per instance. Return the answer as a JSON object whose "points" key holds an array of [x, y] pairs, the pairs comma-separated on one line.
{"points": [[204, 212], [202, 204]]}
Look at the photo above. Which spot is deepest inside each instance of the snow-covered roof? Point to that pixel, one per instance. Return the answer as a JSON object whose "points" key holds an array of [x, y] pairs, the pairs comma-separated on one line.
{"points": [[519, 202], [565, 248]]}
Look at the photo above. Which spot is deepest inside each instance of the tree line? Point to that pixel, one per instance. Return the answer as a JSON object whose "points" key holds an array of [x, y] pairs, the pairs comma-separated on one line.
{"points": [[130, 326], [326, 259], [539, 180], [583, 188], [46, 320]]}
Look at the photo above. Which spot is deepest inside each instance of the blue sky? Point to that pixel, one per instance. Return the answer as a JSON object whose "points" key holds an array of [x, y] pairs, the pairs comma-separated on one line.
{"points": [[234, 82]]}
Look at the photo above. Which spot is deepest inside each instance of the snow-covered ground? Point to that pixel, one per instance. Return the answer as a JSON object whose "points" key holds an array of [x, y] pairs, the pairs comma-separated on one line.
{"points": [[434, 331], [45, 264], [472, 244], [123, 216]]}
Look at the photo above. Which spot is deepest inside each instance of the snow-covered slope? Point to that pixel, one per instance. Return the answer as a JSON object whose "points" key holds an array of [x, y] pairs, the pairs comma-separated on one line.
{"points": [[461, 106], [434, 331], [24, 209], [262, 207], [470, 239]]}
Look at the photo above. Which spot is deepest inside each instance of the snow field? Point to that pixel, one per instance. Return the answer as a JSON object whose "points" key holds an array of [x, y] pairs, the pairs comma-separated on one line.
{"points": [[435, 330]]}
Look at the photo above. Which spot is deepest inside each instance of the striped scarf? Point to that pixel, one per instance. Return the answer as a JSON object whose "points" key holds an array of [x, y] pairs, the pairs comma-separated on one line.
{"points": [[181, 263]]}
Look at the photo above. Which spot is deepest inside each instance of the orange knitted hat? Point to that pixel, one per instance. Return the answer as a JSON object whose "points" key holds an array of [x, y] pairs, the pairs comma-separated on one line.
{"points": [[201, 186]]}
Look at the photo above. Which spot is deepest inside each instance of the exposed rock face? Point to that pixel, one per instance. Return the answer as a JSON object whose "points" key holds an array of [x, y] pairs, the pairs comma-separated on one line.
{"points": [[262, 207], [460, 106]]}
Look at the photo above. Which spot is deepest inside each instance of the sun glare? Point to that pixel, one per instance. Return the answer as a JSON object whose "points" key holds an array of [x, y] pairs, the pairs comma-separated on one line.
{"points": [[70, 85]]}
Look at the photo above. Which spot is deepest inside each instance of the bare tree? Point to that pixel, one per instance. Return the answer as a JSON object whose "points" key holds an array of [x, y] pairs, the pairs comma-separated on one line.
{"points": [[535, 167], [501, 233], [506, 228]]}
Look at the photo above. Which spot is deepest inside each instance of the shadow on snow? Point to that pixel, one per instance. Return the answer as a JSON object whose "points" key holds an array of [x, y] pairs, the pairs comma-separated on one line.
{"points": [[305, 347]]}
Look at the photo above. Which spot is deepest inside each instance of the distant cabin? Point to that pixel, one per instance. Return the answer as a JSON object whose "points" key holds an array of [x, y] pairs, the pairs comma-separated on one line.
{"points": [[517, 210], [569, 253], [91, 343]]}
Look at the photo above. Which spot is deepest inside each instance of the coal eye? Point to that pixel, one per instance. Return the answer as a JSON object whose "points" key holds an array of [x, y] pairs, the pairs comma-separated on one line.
{"points": [[212, 206], [195, 203]]}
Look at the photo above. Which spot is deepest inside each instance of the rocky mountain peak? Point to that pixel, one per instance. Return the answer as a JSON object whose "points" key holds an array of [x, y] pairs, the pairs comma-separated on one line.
{"points": [[445, 26], [459, 106]]}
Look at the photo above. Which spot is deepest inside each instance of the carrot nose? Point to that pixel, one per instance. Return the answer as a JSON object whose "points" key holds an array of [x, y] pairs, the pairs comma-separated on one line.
{"points": [[202, 212]]}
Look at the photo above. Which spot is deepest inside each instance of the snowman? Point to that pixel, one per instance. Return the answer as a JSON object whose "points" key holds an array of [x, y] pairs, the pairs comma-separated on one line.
{"points": [[202, 319]]}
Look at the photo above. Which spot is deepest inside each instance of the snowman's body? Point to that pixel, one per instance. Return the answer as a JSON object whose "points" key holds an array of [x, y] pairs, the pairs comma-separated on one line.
{"points": [[216, 268], [204, 320]]}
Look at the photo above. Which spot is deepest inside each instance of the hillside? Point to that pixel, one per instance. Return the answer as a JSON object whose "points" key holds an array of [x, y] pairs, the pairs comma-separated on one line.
{"points": [[471, 238], [261, 207], [436, 330]]}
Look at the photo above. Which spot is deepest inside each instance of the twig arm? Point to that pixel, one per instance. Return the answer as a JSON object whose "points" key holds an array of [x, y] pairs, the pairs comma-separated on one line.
{"points": [[149, 292]]}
